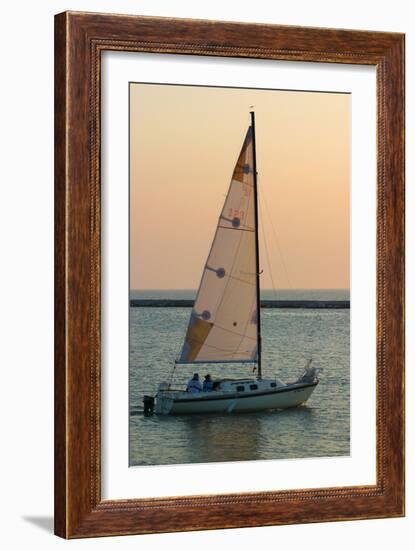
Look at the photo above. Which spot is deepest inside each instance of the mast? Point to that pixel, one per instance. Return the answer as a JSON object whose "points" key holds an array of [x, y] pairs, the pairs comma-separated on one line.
{"points": [[255, 188]]}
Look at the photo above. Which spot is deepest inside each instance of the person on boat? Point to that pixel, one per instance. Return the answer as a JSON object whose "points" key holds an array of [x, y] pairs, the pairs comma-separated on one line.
{"points": [[194, 385], [208, 383]]}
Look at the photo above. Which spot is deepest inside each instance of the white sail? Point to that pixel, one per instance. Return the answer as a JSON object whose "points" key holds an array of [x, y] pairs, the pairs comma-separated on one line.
{"points": [[223, 325]]}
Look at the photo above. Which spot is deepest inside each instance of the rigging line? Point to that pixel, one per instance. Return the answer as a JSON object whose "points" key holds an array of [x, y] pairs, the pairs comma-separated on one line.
{"points": [[172, 375], [225, 351], [240, 280], [235, 255], [229, 278], [255, 299], [249, 158], [212, 246], [248, 321], [180, 345], [266, 248], [236, 183], [233, 276], [233, 332], [236, 228], [216, 233], [274, 232], [203, 344]]}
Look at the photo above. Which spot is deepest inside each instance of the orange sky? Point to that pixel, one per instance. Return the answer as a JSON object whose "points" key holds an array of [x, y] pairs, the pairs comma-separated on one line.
{"points": [[184, 142]]}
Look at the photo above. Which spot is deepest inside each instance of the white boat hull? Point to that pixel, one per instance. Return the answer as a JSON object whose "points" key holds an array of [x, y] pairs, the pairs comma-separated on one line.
{"points": [[293, 395]]}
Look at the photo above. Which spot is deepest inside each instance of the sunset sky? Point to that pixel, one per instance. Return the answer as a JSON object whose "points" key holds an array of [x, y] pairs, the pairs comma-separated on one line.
{"points": [[184, 142]]}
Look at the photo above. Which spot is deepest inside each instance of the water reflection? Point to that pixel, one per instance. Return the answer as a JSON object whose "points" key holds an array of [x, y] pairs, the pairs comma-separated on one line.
{"points": [[321, 428], [220, 438]]}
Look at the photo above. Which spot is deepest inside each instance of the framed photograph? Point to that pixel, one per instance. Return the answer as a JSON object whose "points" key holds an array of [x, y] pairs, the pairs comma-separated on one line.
{"points": [[229, 280]]}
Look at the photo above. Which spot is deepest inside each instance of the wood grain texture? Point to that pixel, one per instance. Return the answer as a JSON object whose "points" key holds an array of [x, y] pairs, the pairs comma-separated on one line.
{"points": [[79, 40], [60, 277]]}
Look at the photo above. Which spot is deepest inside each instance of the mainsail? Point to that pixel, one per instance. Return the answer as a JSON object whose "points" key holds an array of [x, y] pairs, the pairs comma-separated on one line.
{"points": [[223, 325]]}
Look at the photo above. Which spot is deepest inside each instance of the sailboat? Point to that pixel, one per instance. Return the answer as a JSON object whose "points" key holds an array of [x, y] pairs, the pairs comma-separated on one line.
{"points": [[225, 322]]}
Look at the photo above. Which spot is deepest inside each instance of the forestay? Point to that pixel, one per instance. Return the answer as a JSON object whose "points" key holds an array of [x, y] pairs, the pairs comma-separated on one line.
{"points": [[224, 319]]}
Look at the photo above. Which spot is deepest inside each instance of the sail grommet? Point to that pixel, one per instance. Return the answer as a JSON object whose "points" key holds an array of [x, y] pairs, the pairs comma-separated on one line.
{"points": [[246, 168], [220, 273], [205, 315], [236, 222]]}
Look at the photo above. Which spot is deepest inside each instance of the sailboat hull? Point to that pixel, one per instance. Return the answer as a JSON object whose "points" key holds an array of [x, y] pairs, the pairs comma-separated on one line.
{"points": [[282, 398]]}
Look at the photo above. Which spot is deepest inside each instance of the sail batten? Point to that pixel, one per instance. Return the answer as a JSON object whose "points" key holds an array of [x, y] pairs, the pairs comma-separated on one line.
{"points": [[238, 229], [223, 325]]}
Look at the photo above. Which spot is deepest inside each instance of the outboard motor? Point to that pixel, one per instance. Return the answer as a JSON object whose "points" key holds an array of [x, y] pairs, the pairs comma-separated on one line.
{"points": [[148, 401]]}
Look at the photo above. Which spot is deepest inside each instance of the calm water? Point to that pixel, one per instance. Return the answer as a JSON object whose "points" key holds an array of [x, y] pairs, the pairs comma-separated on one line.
{"points": [[319, 428]]}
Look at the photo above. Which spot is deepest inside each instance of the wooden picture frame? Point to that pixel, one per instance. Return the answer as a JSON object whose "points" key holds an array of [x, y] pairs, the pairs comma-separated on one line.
{"points": [[79, 40]]}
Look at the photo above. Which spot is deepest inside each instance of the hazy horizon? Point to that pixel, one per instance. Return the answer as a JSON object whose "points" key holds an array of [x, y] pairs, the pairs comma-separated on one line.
{"points": [[184, 142], [262, 288]]}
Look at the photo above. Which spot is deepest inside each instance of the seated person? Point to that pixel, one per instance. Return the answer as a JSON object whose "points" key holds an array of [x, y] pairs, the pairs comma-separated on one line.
{"points": [[208, 383], [194, 385]]}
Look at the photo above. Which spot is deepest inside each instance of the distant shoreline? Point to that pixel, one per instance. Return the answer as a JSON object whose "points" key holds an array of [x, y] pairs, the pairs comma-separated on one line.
{"points": [[285, 304]]}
